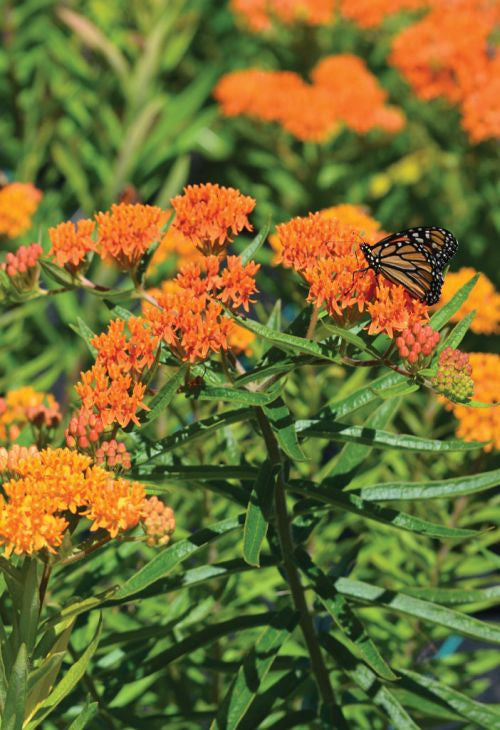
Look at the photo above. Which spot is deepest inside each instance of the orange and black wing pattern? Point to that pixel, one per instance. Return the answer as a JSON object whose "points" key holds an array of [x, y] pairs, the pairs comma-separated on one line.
{"points": [[414, 258]]}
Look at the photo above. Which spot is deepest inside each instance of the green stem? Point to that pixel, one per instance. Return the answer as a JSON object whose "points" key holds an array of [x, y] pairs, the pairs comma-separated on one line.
{"points": [[287, 548]]}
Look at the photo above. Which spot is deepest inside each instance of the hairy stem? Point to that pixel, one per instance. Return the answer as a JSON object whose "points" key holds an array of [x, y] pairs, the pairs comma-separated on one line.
{"points": [[286, 544]]}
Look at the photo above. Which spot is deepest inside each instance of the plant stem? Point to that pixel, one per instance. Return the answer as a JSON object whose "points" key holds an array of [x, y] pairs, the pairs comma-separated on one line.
{"points": [[287, 548]]}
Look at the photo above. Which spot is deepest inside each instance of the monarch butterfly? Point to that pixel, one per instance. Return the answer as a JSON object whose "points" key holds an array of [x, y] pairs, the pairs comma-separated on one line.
{"points": [[414, 258]]}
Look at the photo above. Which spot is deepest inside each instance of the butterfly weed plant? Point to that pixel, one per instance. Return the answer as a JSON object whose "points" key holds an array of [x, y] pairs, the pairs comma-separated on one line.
{"points": [[232, 525]]}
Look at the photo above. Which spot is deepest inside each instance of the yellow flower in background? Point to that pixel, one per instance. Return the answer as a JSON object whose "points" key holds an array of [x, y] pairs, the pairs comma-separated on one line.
{"points": [[18, 203], [482, 424], [483, 298]]}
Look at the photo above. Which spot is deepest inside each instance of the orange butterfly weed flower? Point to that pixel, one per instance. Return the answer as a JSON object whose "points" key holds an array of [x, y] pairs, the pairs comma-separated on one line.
{"points": [[356, 97], [190, 316], [22, 267], [120, 352], [482, 424], [10, 459], [481, 103], [18, 203], [114, 400], [483, 298], [241, 339], [71, 243], [47, 484], [260, 14], [343, 91], [371, 13], [324, 250], [22, 406], [208, 213], [127, 231]]}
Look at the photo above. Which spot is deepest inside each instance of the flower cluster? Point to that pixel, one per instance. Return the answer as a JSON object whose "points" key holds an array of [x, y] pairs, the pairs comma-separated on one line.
{"points": [[325, 251], [158, 522], [453, 377], [190, 317], [22, 267], [10, 459], [343, 92], [371, 13], [447, 54], [482, 424], [44, 487], [417, 343], [27, 406], [111, 391], [71, 244], [207, 214], [259, 15], [484, 299], [18, 203]]}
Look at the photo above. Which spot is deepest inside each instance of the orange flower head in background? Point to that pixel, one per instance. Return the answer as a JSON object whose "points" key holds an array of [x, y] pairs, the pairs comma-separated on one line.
{"points": [[343, 91], [481, 103], [484, 299], [325, 251], [177, 247], [482, 424], [371, 13], [18, 203], [26, 405], [71, 243], [259, 15], [46, 485], [208, 214], [127, 231]]}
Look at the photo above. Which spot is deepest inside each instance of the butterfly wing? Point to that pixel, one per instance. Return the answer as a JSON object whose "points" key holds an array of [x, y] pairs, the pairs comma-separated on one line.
{"points": [[414, 258]]}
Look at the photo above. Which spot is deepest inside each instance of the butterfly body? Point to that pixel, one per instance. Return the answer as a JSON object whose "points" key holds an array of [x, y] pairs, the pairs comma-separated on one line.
{"points": [[414, 258]]}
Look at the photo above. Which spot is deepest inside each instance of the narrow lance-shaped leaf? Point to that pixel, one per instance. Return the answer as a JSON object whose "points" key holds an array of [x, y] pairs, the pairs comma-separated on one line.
{"points": [[443, 315], [249, 252], [282, 423], [455, 487], [162, 399], [258, 513]]}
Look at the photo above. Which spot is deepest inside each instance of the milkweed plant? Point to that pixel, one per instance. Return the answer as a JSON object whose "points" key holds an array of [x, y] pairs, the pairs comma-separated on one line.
{"points": [[231, 522]]}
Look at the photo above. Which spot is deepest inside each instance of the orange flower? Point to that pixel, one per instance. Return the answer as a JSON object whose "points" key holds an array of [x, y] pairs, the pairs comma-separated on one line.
{"points": [[114, 504], [343, 91], [47, 484], [70, 243], [18, 202], [10, 459], [481, 102], [158, 521], [237, 283], [356, 97], [22, 267], [324, 251], [241, 339], [482, 424], [22, 406], [113, 400], [370, 13], [208, 213], [120, 353], [260, 14], [448, 46], [126, 233], [483, 298]]}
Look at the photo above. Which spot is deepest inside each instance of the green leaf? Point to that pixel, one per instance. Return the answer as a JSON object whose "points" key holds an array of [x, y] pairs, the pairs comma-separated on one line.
{"points": [[86, 713], [397, 391], [356, 637], [458, 333], [455, 487], [361, 397], [443, 315], [13, 711], [166, 560], [349, 337], [286, 341], [378, 694], [385, 515], [30, 606], [282, 423], [254, 670], [85, 333], [241, 397], [68, 682], [59, 275], [479, 714], [257, 517], [401, 602], [203, 428], [376, 438], [249, 252], [456, 596], [160, 402]]}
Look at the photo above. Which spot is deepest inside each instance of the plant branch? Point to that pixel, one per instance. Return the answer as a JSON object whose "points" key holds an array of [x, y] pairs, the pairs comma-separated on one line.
{"points": [[287, 548]]}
